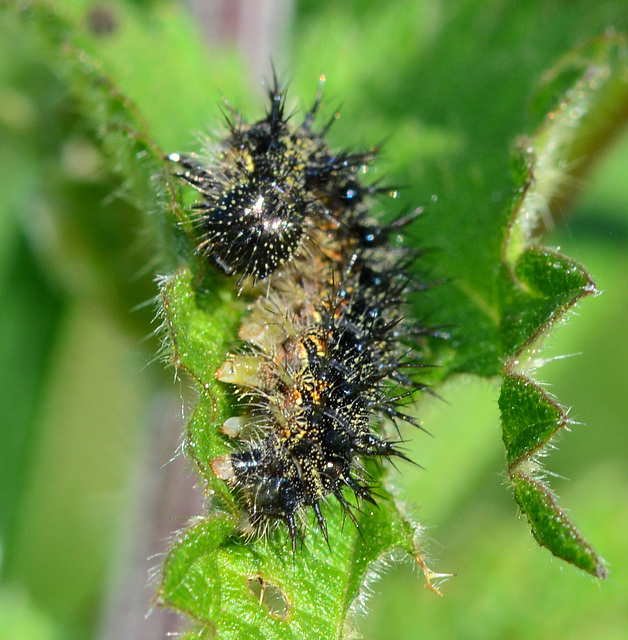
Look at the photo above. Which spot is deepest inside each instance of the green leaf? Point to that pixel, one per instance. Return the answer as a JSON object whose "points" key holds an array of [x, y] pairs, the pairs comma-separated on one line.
{"points": [[552, 528], [530, 418], [588, 96], [543, 285]]}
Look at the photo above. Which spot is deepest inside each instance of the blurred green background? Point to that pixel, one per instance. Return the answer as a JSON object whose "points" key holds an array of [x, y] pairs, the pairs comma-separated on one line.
{"points": [[84, 399]]}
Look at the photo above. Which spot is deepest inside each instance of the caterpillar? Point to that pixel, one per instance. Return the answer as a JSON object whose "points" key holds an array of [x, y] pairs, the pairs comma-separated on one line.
{"points": [[328, 351]]}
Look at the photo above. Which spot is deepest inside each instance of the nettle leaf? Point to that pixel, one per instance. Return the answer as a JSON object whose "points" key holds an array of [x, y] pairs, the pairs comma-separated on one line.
{"points": [[588, 94]]}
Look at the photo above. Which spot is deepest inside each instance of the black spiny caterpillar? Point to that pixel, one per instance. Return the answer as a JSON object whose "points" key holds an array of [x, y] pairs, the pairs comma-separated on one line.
{"points": [[326, 341]]}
